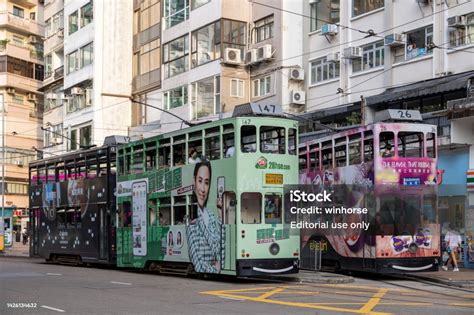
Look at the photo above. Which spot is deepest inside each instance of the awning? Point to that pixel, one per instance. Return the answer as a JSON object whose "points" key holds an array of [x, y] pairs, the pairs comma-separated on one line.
{"points": [[422, 88]]}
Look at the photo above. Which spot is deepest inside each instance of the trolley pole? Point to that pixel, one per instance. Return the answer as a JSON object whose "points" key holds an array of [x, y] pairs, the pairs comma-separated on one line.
{"points": [[2, 222]]}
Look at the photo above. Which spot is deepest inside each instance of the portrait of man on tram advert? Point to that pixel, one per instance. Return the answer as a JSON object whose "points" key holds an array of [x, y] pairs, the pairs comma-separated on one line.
{"points": [[205, 234]]}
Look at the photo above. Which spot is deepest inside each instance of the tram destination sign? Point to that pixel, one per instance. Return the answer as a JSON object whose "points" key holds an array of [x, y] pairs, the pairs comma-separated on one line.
{"points": [[398, 114]]}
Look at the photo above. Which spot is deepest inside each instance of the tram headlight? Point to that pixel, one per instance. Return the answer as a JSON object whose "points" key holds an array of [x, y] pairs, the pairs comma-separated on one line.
{"points": [[274, 249], [413, 248]]}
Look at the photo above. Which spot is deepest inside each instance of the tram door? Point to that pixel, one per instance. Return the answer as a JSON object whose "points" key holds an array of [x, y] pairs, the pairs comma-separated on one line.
{"points": [[229, 220], [104, 222]]}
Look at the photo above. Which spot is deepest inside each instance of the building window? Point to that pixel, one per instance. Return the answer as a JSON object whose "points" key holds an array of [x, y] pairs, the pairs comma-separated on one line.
{"points": [[206, 44], [175, 57], [363, 6], [73, 22], [205, 97], [85, 136], [324, 12], [86, 14], [73, 140], [459, 36], [176, 97], [262, 86], [149, 58], [418, 41], [18, 12], [21, 67], [72, 61], [236, 88], [321, 70], [373, 57], [86, 55], [53, 135], [148, 16], [176, 11], [18, 99], [264, 29], [197, 3], [234, 35]]}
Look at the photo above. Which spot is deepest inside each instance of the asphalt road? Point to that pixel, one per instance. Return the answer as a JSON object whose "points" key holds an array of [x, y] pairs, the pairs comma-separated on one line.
{"points": [[29, 286]]}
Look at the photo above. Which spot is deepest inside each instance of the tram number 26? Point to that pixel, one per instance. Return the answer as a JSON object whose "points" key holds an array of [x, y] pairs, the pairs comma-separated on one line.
{"points": [[404, 113]]}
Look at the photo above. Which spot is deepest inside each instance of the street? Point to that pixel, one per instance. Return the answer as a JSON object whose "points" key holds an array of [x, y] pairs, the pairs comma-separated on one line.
{"points": [[30, 286]]}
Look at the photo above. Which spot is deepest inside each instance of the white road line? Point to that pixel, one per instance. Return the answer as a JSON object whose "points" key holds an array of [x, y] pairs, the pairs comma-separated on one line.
{"points": [[124, 283], [53, 274], [230, 298], [53, 308]]}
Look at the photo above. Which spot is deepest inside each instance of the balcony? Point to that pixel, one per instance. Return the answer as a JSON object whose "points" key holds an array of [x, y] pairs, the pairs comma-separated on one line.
{"points": [[53, 76], [15, 50], [55, 41], [29, 4], [19, 82], [59, 73], [147, 80], [146, 36], [7, 19]]}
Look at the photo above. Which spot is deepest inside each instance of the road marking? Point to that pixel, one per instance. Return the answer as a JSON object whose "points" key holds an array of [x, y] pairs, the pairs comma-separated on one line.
{"points": [[53, 308], [53, 274], [374, 300], [117, 282], [462, 304], [231, 298], [270, 293]]}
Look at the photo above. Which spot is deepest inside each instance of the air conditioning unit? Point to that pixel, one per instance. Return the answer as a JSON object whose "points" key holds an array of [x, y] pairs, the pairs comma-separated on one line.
{"points": [[329, 29], [18, 162], [56, 140], [89, 96], [334, 57], [297, 97], [394, 39], [76, 91], [32, 39], [61, 33], [251, 56], [232, 56], [31, 97], [296, 74], [353, 52], [264, 52], [10, 90], [458, 21], [51, 96]]}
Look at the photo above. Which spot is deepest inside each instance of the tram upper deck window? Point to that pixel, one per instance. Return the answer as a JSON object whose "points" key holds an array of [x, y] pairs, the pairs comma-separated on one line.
{"points": [[228, 140], [213, 150], [179, 210], [303, 160], [410, 144], [272, 139], [195, 146], [315, 161], [179, 150], [292, 141], [113, 167], [368, 146], [121, 164], [326, 154], [251, 208], [248, 139], [431, 145], [128, 160], [340, 152], [164, 153], [150, 156], [355, 153], [138, 159], [60, 172], [91, 167], [102, 171], [273, 206], [41, 174], [386, 140], [165, 211]]}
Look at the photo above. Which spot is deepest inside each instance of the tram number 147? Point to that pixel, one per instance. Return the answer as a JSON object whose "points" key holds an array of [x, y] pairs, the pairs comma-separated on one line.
{"points": [[266, 109]]}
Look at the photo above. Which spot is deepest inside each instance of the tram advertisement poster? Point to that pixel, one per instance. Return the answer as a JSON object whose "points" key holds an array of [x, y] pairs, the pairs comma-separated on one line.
{"points": [[139, 207]]}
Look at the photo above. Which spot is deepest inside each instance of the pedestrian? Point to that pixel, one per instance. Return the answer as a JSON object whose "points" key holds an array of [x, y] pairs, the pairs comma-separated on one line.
{"points": [[453, 242], [25, 235]]}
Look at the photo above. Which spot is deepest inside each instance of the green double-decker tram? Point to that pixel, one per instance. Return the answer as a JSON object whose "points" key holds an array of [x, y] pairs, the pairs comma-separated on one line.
{"points": [[209, 198]]}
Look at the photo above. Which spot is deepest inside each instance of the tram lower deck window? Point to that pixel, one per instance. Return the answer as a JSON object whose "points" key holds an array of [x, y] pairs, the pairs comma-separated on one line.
{"points": [[273, 211], [251, 208]]}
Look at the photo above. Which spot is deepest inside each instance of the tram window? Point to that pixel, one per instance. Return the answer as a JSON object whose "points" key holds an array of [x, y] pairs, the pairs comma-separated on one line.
{"points": [[292, 141], [193, 207], [92, 170], [179, 210], [42, 174], [251, 208], [128, 160], [315, 161], [126, 214], [429, 209], [195, 145], [368, 146], [431, 145], [340, 152], [61, 173], [121, 163], [386, 140], [71, 171], [165, 211], [410, 144], [303, 161], [229, 204], [164, 153], [70, 218], [327, 158], [78, 218], [248, 139], [51, 178], [102, 169], [179, 150], [138, 159], [272, 140], [411, 213], [228, 141], [150, 154], [213, 150], [152, 212], [354, 149], [81, 170], [273, 203], [113, 167], [61, 218]]}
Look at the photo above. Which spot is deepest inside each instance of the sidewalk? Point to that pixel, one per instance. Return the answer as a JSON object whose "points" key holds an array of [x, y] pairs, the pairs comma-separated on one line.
{"points": [[305, 276], [17, 250], [463, 279]]}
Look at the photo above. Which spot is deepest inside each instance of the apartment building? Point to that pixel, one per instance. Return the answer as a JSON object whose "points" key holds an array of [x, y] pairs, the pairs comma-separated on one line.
{"points": [[21, 73], [88, 51]]}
